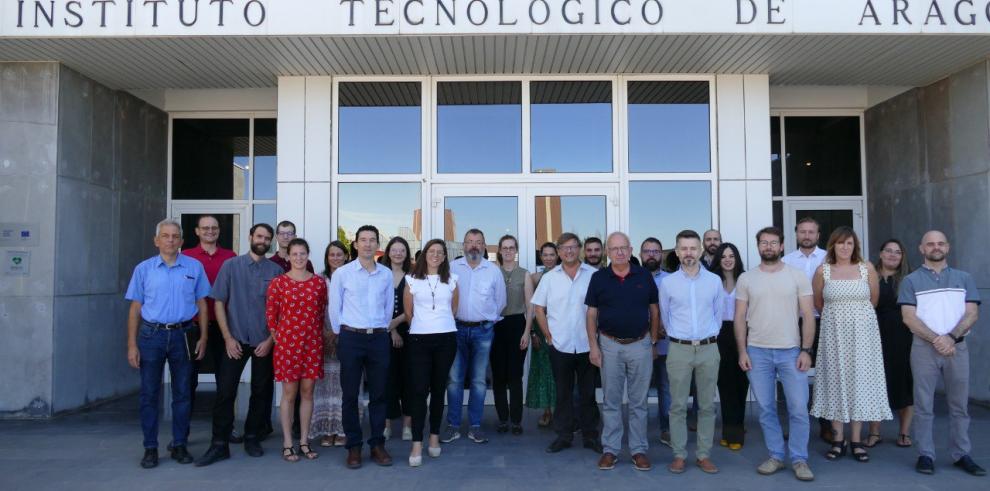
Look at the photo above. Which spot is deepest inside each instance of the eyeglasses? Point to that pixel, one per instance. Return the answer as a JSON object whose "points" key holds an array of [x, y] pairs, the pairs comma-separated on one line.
{"points": [[286, 234], [651, 252], [771, 243], [570, 248], [617, 250], [435, 253]]}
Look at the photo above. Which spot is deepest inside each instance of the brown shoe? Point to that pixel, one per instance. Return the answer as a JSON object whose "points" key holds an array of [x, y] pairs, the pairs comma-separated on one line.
{"points": [[677, 466], [381, 456], [607, 462], [707, 465], [641, 462], [354, 457]]}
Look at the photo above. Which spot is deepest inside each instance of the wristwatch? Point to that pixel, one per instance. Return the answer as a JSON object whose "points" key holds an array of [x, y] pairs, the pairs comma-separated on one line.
{"points": [[807, 350]]}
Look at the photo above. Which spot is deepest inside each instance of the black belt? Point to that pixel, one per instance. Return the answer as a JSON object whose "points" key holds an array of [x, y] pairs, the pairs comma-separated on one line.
{"points": [[167, 327], [623, 340], [470, 323], [363, 330], [702, 342]]}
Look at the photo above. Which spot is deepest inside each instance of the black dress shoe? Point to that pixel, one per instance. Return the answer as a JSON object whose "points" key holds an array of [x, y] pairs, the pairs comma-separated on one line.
{"points": [[253, 448], [558, 445], [215, 453], [150, 458], [236, 437], [181, 455], [966, 463], [925, 465], [593, 445], [517, 429], [502, 428]]}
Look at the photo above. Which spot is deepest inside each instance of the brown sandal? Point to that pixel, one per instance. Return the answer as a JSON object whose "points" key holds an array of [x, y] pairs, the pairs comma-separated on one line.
{"points": [[904, 440], [870, 442], [308, 453]]}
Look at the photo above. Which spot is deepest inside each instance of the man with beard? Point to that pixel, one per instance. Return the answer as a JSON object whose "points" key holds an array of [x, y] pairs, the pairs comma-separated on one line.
{"points": [[691, 303], [940, 306], [241, 286], [593, 252], [768, 301], [710, 241], [651, 254], [482, 298]]}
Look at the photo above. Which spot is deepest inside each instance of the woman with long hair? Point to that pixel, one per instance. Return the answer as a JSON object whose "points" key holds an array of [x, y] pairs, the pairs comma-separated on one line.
{"points": [[850, 386], [296, 306], [398, 259], [541, 393], [733, 385], [429, 301], [328, 419], [895, 338]]}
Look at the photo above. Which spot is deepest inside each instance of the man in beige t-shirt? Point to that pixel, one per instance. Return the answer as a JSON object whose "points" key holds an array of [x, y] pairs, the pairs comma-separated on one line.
{"points": [[768, 300]]}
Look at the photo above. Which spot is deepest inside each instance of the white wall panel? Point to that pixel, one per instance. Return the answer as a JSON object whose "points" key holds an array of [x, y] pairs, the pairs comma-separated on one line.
{"points": [[757, 95], [731, 124], [291, 129], [291, 205], [759, 214], [319, 117], [317, 219], [732, 215]]}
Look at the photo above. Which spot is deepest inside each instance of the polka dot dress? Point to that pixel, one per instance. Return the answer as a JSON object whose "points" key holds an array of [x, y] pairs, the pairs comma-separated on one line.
{"points": [[849, 376], [296, 311]]}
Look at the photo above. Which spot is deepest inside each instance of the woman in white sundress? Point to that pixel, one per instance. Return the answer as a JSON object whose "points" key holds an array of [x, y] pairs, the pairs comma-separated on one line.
{"points": [[849, 377]]}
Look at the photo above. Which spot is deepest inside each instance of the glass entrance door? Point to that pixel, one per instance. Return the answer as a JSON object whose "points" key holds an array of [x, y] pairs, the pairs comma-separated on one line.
{"points": [[830, 214]]}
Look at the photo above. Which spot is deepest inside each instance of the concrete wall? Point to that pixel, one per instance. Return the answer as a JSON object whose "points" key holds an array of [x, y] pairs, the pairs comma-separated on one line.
{"points": [[928, 166], [100, 158]]}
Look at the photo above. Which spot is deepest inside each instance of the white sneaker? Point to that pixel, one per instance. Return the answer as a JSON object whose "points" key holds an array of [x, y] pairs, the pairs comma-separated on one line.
{"points": [[415, 461], [434, 451], [406, 434], [387, 434]]}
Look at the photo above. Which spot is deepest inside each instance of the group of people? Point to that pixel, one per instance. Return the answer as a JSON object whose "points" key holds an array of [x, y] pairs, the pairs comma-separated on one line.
{"points": [[415, 330]]}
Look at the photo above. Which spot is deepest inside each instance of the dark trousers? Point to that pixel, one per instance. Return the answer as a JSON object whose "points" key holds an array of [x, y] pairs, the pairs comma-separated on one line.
{"points": [[214, 351], [262, 387], [733, 386], [428, 358], [507, 362], [396, 391], [570, 369], [364, 354]]}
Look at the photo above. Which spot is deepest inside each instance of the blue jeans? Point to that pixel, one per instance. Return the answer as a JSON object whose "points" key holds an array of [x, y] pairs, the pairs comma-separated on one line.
{"points": [[663, 391], [473, 347], [768, 366], [156, 346]]}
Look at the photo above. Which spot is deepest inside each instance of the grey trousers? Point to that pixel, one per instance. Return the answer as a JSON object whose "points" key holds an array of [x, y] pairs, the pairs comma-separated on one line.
{"points": [[685, 362], [928, 366], [625, 367]]}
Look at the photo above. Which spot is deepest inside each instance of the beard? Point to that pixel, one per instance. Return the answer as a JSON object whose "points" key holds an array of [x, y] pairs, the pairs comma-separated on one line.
{"points": [[807, 243], [712, 250], [771, 256], [593, 260], [259, 249], [651, 265], [689, 261], [935, 256], [473, 254]]}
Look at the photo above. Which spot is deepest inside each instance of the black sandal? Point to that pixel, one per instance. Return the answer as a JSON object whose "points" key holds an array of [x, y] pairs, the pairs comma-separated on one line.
{"points": [[838, 450], [289, 454], [904, 437], [308, 453], [879, 440], [862, 456]]}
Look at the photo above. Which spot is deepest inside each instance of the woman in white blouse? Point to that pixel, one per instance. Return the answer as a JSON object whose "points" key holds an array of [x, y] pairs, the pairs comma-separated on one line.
{"points": [[430, 300], [733, 386]]}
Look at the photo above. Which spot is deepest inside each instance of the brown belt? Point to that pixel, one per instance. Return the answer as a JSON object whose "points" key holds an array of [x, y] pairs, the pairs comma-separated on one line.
{"points": [[689, 342], [363, 330], [623, 340]]}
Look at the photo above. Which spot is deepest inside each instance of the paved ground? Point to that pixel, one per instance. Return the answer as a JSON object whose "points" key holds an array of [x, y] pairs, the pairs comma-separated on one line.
{"points": [[100, 449]]}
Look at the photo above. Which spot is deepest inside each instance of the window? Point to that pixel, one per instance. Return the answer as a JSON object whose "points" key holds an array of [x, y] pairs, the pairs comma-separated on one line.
{"points": [[210, 158], [265, 159], [392, 207], [661, 209], [776, 176], [571, 126], [479, 127], [380, 128], [495, 216], [823, 155], [669, 127]]}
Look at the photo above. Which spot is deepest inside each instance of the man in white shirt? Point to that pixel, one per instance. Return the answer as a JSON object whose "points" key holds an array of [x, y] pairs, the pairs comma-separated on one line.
{"points": [[560, 315], [481, 300]]}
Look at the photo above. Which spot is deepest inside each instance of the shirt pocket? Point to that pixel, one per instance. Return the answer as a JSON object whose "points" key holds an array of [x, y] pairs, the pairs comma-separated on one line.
{"points": [[189, 288], [485, 291], [264, 284]]}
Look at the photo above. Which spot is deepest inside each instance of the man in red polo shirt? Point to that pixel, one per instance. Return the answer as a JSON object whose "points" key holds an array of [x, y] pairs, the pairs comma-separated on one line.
{"points": [[212, 256]]}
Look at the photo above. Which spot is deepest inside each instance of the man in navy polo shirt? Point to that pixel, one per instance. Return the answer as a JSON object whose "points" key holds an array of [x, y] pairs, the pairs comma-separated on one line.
{"points": [[623, 325]]}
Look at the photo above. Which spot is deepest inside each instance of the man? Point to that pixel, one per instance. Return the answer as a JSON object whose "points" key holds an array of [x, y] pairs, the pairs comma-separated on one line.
{"points": [[710, 241], [623, 308], [480, 303], [651, 255], [940, 305], [560, 315], [593, 252], [241, 286], [209, 253], [768, 299], [165, 292], [359, 311], [285, 231], [691, 303], [807, 257]]}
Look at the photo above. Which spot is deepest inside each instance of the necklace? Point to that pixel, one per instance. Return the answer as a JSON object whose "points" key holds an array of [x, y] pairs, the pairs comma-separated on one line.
{"points": [[433, 290]]}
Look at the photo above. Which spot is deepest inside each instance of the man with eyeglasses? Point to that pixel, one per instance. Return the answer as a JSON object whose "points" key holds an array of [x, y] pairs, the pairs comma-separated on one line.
{"points": [[623, 323], [285, 231], [651, 257], [769, 299], [561, 317]]}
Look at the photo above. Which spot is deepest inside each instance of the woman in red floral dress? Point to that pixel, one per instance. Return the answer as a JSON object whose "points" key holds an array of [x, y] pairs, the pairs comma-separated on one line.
{"points": [[296, 308]]}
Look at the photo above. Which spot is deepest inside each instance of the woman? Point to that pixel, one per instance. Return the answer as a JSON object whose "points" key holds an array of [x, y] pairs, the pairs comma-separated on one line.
{"points": [[541, 393], [296, 307], [896, 341], [849, 378], [429, 300], [328, 422], [733, 385], [397, 258], [511, 338]]}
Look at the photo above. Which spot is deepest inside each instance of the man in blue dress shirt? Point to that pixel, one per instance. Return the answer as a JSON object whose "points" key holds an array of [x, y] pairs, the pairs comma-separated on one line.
{"points": [[691, 307], [359, 312], [166, 292]]}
